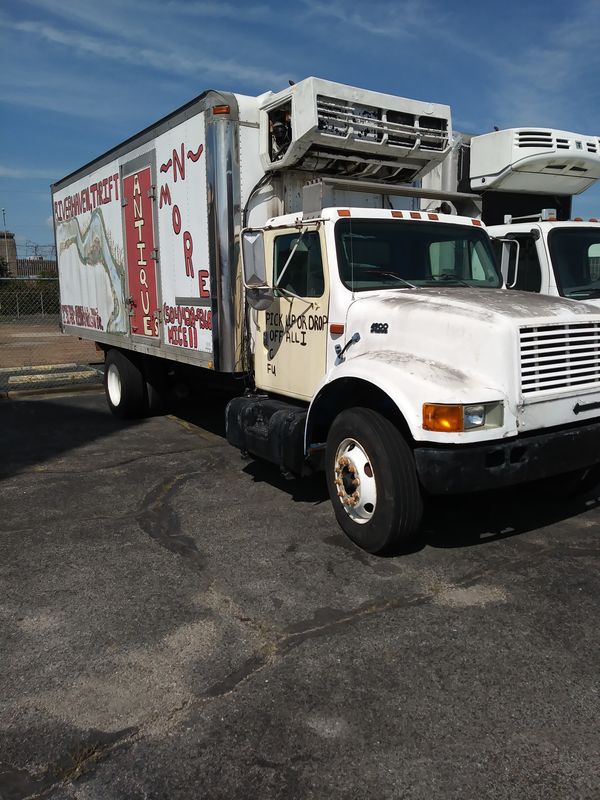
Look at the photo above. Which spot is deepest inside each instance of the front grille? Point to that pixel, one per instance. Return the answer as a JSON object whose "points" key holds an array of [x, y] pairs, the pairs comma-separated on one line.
{"points": [[558, 357]]}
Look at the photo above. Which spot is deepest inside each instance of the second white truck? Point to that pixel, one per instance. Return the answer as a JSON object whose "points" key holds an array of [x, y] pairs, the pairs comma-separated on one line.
{"points": [[526, 179]]}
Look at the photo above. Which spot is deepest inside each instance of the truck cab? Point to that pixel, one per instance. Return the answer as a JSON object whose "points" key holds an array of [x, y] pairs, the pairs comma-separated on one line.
{"points": [[325, 276], [387, 353], [561, 259]]}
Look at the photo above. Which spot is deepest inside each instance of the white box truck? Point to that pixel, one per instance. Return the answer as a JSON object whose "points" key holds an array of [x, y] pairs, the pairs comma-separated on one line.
{"points": [[279, 237]]}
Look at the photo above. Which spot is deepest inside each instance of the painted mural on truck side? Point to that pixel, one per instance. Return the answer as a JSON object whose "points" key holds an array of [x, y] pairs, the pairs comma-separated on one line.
{"points": [[89, 246], [115, 225]]}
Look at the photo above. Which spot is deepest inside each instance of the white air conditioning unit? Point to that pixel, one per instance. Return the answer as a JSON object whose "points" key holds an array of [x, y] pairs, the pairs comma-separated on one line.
{"points": [[317, 125], [534, 160]]}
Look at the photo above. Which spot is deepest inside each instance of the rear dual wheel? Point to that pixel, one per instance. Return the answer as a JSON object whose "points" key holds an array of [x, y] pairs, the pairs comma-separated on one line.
{"points": [[134, 388], [372, 481], [124, 385]]}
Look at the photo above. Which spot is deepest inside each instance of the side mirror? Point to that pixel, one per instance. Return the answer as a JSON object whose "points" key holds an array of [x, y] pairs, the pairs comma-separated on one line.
{"points": [[254, 269], [260, 299], [253, 259], [506, 261]]}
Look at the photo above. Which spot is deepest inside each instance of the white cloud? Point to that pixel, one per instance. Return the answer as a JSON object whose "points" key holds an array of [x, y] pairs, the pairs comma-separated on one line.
{"points": [[26, 173], [553, 82], [382, 18], [172, 60], [115, 16], [222, 10]]}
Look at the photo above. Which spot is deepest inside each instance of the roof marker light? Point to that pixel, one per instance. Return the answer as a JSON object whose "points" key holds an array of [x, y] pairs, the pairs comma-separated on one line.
{"points": [[577, 219], [415, 215], [343, 212], [432, 216], [221, 110], [335, 329], [476, 222], [397, 214], [593, 219]]}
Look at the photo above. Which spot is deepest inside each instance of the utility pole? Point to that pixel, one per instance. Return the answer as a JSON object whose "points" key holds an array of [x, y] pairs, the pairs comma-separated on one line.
{"points": [[5, 237]]}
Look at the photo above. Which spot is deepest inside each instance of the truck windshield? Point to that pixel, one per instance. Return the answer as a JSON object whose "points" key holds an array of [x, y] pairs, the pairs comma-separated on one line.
{"points": [[575, 254], [385, 254]]}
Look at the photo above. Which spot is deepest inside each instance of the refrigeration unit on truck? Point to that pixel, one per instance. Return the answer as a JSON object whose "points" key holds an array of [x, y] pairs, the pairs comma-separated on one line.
{"points": [[526, 178], [279, 238]]}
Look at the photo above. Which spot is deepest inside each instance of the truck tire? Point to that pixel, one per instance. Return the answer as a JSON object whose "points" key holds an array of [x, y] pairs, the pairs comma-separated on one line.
{"points": [[155, 375], [372, 481], [124, 385]]}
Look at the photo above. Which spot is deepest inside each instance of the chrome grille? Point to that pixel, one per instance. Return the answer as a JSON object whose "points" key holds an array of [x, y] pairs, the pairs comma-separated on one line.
{"points": [[558, 357]]}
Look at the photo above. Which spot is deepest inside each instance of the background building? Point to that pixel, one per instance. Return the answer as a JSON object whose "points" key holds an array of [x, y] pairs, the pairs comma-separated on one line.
{"points": [[8, 251]]}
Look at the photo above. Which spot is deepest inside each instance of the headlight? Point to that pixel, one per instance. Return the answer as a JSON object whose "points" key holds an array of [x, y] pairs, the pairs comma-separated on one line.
{"points": [[474, 416], [458, 417]]}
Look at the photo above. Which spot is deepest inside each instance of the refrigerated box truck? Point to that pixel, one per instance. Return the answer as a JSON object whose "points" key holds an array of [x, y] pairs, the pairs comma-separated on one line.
{"points": [[279, 238]]}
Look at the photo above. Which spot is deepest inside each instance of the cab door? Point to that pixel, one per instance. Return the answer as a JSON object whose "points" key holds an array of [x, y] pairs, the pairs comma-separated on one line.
{"points": [[291, 342]]}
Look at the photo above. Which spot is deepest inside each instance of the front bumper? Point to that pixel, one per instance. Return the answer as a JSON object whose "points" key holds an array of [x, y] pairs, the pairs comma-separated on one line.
{"points": [[471, 468]]}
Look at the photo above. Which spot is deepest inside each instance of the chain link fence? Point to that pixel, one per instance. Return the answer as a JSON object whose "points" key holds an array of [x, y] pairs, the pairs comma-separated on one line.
{"points": [[34, 353]]}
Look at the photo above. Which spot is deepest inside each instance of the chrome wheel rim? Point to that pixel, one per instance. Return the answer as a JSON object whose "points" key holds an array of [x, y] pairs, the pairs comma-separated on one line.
{"points": [[355, 481]]}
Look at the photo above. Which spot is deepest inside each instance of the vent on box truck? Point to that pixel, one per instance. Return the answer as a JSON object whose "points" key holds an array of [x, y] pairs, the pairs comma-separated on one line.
{"points": [[325, 127], [534, 160]]}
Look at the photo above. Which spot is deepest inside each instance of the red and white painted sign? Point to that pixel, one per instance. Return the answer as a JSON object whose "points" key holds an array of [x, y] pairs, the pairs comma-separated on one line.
{"points": [[182, 214], [139, 241]]}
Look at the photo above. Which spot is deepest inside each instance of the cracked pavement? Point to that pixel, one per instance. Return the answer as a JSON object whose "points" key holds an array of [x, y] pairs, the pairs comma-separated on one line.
{"points": [[176, 622]]}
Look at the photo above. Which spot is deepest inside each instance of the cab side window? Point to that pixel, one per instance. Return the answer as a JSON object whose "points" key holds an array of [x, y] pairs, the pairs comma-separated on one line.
{"points": [[304, 274], [529, 275]]}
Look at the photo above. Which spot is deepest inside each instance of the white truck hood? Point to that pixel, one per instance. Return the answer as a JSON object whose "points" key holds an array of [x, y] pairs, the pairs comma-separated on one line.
{"points": [[470, 335], [501, 303]]}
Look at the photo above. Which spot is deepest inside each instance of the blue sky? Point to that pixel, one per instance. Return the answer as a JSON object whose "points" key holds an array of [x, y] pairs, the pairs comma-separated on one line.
{"points": [[77, 77]]}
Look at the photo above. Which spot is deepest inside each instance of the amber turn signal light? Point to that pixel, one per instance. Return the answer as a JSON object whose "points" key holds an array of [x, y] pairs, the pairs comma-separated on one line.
{"points": [[446, 419]]}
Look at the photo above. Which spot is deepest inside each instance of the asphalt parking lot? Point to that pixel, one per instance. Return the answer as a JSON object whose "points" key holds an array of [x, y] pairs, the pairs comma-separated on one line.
{"points": [[179, 623]]}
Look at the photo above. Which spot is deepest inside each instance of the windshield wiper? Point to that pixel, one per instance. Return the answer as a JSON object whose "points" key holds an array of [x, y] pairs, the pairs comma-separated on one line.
{"points": [[392, 275], [449, 280]]}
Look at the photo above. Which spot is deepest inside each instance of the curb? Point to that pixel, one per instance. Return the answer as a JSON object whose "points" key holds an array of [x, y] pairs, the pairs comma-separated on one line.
{"points": [[52, 378], [18, 394]]}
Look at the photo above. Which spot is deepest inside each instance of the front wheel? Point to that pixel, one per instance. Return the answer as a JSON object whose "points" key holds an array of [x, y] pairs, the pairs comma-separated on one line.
{"points": [[372, 481]]}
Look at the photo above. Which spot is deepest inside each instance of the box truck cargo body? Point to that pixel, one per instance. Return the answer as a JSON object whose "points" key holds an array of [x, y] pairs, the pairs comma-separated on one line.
{"points": [[282, 238], [145, 237]]}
